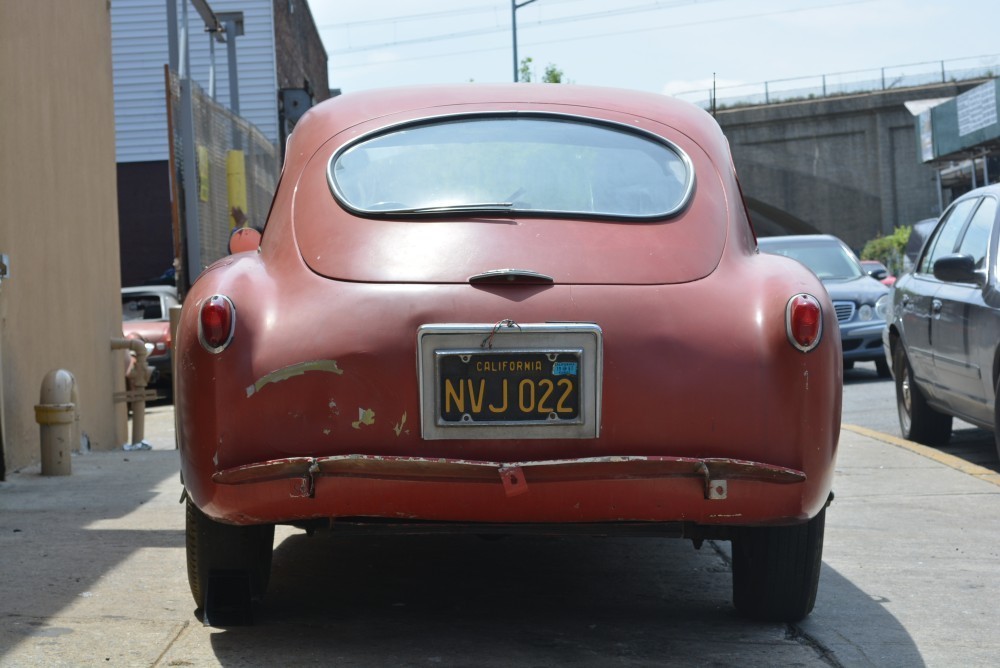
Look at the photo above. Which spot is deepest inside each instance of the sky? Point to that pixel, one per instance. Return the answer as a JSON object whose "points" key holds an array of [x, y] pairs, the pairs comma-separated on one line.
{"points": [[674, 47]]}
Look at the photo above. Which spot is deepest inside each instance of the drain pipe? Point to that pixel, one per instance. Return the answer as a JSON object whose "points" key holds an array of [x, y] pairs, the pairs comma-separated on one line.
{"points": [[137, 396]]}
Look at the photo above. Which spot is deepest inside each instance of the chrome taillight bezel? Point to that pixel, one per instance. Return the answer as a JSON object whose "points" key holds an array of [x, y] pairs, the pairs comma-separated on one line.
{"points": [[788, 322], [232, 324]]}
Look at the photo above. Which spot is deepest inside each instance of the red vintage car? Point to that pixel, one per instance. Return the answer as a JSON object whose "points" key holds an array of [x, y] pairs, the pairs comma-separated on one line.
{"points": [[503, 309]]}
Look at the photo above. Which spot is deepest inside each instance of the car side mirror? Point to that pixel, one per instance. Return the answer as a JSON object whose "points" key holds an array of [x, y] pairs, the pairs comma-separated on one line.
{"points": [[244, 239], [957, 268], [878, 274]]}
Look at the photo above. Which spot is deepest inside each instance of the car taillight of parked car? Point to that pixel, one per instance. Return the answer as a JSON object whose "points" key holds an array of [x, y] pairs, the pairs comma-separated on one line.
{"points": [[216, 323], [804, 322]]}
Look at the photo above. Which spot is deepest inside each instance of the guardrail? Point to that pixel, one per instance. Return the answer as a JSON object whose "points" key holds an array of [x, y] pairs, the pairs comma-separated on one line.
{"points": [[846, 83]]}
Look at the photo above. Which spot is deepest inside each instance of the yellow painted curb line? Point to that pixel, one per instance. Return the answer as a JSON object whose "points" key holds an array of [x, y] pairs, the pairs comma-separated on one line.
{"points": [[950, 461]]}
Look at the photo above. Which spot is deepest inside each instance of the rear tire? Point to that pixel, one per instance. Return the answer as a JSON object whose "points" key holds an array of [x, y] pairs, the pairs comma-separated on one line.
{"points": [[996, 418], [882, 368], [917, 420], [213, 546], [776, 570]]}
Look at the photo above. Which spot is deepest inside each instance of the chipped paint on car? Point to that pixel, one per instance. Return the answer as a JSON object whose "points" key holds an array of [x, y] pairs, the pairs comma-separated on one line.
{"points": [[399, 425], [366, 417], [327, 366]]}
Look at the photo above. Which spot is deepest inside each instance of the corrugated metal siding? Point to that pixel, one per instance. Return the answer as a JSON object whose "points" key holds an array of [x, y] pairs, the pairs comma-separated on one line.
{"points": [[139, 51]]}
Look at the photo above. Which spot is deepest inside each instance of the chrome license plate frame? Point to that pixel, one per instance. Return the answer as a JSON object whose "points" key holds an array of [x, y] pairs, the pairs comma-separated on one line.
{"points": [[551, 344]]}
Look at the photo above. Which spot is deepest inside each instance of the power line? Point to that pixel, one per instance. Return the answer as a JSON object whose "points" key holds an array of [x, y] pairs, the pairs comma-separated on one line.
{"points": [[618, 32], [423, 16], [655, 6]]}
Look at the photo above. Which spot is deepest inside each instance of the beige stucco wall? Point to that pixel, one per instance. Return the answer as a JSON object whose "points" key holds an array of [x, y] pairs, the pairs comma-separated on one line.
{"points": [[58, 217]]}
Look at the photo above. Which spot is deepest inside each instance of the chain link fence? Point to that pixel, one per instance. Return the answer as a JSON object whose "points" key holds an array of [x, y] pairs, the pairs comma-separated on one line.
{"points": [[235, 173], [846, 83]]}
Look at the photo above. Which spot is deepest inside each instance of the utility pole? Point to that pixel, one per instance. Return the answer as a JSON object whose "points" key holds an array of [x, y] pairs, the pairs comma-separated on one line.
{"points": [[514, 6]]}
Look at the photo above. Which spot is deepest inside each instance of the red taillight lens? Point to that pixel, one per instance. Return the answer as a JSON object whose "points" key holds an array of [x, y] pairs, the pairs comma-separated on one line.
{"points": [[804, 322], [216, 323]]}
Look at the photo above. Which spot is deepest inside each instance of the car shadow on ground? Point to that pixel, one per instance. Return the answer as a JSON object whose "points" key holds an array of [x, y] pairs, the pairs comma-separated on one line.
{"points": [[863, 372], [463, 600]]}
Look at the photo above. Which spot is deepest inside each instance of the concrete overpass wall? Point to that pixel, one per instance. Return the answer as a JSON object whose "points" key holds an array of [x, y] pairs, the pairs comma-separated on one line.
{"points": [[845, 165]]}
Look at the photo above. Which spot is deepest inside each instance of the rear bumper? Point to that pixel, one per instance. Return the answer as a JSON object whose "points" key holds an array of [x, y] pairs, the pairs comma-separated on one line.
{"points": [[708, 491]]}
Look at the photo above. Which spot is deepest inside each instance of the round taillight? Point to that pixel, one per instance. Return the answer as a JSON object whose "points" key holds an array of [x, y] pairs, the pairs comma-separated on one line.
{"points": [[804, 322], [216, 323]]}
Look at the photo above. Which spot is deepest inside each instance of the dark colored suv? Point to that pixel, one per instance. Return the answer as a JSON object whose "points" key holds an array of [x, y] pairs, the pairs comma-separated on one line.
{"points": [[943, 339]]}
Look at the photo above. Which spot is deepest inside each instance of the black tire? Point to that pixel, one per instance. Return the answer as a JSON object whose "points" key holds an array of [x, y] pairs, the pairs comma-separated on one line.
{"points": [[996, 418], [776, 570], [213, 546], [917, 420], [882, 368]]}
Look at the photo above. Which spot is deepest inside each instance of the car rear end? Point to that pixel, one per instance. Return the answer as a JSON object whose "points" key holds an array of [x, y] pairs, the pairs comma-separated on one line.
{"points": [[388, 363]]}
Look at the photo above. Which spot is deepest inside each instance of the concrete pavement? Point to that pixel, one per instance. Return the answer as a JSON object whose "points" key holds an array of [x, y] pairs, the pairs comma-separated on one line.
{"points": [[94, 574]]}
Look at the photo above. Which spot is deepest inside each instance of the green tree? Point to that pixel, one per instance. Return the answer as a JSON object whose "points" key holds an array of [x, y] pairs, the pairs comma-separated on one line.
{"points": [[552, 73], [888, 250], [525, 70]]}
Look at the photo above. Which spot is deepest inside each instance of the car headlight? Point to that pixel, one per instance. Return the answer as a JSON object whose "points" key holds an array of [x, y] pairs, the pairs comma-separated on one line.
{"points": [[865, 312], [883, 307]]}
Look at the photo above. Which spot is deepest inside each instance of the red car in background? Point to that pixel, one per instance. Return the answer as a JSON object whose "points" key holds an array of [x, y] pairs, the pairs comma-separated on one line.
{"points": [[878, 271], [146, 316], [497, 308]]}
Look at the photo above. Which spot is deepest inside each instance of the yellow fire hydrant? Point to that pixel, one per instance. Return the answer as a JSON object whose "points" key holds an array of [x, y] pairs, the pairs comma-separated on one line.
{"points": [[58, 421]]}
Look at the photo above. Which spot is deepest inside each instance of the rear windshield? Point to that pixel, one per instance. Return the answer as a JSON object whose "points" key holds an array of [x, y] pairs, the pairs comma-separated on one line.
{"points": [[544, 164]]}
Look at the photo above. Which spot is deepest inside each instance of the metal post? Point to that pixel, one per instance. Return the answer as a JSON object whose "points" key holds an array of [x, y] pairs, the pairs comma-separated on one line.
{"points": [[972, 168], [883, 78], [234, 84], [211, 66], [172, 34], [189, 162], [986, 173], [232, 26], [514, 6], [940, 194], [767, 96], [824, 85]]}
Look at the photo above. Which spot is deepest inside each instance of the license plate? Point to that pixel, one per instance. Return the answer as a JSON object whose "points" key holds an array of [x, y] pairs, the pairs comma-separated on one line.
{"points": [[523, 381], [540, 387]]}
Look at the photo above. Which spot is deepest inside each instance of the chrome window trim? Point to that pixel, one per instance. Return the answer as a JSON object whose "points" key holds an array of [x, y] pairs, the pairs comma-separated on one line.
{"points": [[988, 259], [432, 119]]}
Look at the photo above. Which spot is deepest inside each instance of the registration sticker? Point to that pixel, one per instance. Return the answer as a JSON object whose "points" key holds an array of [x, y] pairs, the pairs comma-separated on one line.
{"points": [[564, 369]]}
